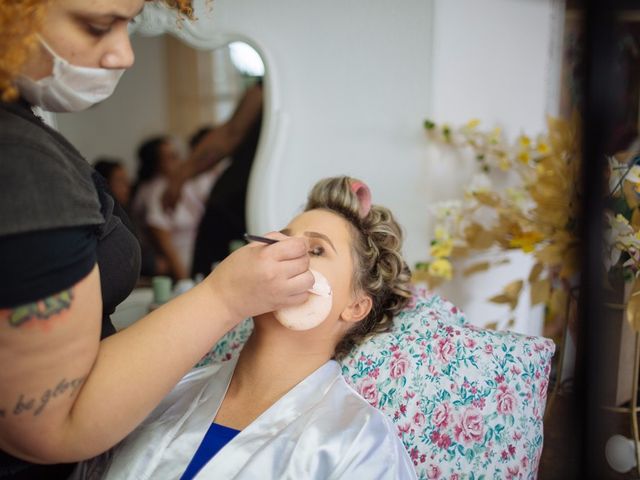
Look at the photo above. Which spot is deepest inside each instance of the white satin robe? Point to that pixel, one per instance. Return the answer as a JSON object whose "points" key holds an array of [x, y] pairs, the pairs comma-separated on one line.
{"points": [[321, 429]]}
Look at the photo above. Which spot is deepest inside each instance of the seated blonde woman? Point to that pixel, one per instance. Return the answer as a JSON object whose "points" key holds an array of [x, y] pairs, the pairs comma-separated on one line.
{"points": [[282, 409]]}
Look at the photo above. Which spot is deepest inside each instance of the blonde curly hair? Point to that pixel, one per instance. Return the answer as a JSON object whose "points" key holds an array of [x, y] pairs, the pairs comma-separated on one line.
{"points": [[379, 269], [20, 22]]}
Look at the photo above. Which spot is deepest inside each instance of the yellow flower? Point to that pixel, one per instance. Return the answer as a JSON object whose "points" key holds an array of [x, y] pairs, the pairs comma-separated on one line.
{"points": [[524, 141], [442, 248], [526, 241], [634, 177], [524, 157], [516, 196], [494, 136], [503, 161], [543, 148], [473, 123], [441, 234], [621, 219], [441, 267]]}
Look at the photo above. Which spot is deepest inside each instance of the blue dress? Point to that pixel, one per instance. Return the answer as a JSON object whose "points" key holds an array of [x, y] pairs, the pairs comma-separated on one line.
{"points": [[216, 437]]}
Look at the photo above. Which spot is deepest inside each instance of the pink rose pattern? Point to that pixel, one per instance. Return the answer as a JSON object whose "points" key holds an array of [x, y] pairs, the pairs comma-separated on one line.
{"points": [[469, 428], [470, 402], [506, 400], [398, 365], [441, 415], [467, 402], [369, 390]]}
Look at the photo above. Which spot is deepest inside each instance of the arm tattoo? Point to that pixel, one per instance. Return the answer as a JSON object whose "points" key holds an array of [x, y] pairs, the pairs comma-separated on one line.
{"points": [[36, 404], [41, 310]]}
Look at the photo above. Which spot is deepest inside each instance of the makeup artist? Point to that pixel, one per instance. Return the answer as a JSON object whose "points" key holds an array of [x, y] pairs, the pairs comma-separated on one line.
{"points": [[70, 387]]}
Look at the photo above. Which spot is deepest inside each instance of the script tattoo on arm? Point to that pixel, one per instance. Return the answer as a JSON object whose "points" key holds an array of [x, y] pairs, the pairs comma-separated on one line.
{"points": [[41, 310], [35, 405]]}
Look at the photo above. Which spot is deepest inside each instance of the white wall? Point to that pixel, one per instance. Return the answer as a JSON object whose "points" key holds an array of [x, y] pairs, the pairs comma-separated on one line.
{"points": [[137, 109], [491, 60]]}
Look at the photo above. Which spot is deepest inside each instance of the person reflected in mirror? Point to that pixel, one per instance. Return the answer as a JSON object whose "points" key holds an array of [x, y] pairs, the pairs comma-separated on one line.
{"points": [[282, 409], [224, 219], [117, 179], [173, 232]]}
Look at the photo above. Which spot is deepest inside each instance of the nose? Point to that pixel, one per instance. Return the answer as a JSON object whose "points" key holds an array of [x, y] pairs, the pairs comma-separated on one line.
{"points": [[119, 53]]}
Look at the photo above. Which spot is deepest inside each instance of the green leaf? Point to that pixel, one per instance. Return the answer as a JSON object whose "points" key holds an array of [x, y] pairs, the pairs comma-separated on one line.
{"points": [[469, 454]]}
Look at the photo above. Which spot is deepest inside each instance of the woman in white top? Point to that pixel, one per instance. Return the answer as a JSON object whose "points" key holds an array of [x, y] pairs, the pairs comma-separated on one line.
{"points": [[172, 233], [282, 410]]}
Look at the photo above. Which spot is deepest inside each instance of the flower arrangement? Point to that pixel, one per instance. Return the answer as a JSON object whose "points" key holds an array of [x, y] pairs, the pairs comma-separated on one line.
{"points": [[524, 196], [622, 236], [622, 230]]}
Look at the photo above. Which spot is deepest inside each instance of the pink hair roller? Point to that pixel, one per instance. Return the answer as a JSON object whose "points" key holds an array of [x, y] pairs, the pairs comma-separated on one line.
{"points": [[364, 196]]}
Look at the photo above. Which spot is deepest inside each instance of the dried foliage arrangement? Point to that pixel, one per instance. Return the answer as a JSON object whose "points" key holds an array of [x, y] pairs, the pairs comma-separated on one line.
{"points": [[537, 212]]}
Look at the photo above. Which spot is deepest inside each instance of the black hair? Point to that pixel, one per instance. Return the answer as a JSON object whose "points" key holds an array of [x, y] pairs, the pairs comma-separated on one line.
{"points": [[148, 158], [106, 165]]}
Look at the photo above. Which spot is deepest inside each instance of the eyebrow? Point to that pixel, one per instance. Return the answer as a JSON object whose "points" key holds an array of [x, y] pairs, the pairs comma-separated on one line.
{"points": [[111, 15], [322, 236]]}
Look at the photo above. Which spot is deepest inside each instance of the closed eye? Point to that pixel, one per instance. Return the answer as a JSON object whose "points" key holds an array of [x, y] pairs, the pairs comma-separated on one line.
{"points": [[98, 30], [317, 251]]}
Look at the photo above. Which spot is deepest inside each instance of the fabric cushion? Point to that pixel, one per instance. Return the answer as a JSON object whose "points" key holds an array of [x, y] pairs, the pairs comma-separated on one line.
{"points": [[468, 402]]}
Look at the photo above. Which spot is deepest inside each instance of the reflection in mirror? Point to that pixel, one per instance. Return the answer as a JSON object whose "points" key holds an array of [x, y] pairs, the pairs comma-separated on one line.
{"points": [[175, 105]]}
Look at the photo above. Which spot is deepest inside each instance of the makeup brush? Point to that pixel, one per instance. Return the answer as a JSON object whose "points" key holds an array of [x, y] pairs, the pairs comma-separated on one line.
{"points": [[319, 288], [258, 238]]}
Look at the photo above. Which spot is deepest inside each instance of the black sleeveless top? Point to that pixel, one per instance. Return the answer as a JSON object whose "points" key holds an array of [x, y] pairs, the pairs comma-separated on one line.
{"points": [[57, 220], [224, 218]]}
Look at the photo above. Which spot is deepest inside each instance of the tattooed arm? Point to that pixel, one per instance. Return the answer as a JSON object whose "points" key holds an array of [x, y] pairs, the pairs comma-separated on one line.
{"points": [[66, 396], [47, 349]]}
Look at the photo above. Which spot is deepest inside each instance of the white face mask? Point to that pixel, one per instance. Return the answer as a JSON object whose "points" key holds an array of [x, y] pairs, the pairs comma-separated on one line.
{"points": [[69, 88]]}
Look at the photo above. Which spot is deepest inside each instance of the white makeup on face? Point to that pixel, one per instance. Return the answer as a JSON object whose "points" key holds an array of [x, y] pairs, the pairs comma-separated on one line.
{"points": [[331, 264], [311, 313]]}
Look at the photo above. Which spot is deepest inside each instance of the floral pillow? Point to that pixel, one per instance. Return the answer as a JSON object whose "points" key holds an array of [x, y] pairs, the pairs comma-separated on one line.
{"points": [[468, 402]]}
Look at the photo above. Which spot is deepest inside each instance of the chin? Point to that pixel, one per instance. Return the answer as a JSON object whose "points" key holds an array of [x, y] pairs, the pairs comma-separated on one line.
{"points": [[268, 322]]}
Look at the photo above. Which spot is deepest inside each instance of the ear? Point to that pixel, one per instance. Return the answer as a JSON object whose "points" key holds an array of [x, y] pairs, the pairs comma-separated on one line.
{"points": [[358, 309]]}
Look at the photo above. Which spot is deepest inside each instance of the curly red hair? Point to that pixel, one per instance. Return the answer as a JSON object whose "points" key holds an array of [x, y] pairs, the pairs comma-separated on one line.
{"points": [[19, 24]]}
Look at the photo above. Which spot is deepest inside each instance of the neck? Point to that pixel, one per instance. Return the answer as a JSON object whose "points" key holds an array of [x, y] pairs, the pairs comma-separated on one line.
{"points": [[275, 359]]}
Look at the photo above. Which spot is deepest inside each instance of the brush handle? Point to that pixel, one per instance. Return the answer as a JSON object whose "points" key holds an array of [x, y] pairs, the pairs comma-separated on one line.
{"points": [[258, 238]]}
